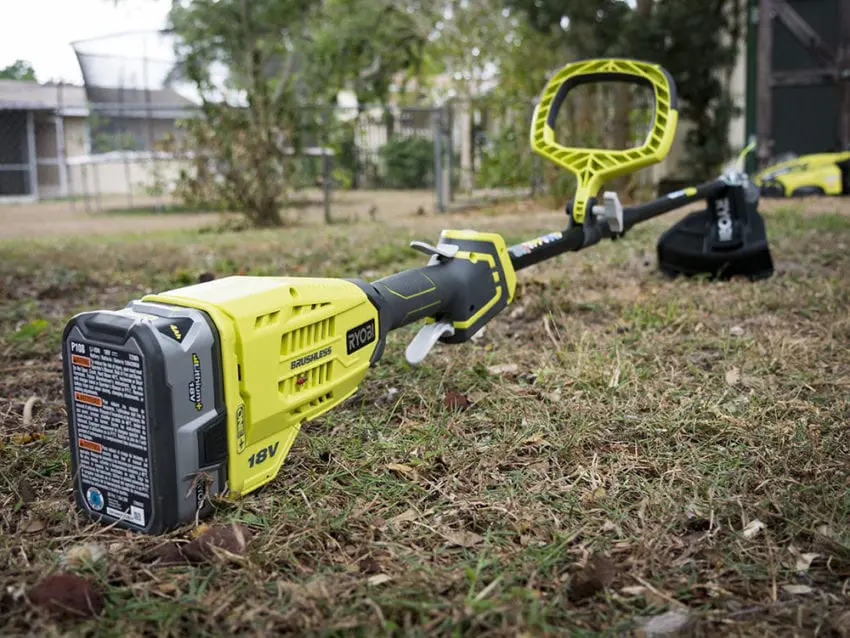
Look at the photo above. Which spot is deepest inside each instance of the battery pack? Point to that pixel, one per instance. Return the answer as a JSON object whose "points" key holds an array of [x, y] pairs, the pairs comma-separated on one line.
{"points": [[146, 416]]}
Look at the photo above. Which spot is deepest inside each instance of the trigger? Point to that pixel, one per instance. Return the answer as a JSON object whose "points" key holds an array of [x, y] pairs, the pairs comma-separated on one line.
{"points": [[425, 339]]}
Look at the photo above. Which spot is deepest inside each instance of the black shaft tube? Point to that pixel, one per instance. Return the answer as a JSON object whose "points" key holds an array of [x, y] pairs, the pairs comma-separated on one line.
{"points": [[577, 238], [633, 215]]}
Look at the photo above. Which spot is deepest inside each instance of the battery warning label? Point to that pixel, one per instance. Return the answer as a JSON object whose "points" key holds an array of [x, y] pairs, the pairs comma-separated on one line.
{"points": [[111, 431]]}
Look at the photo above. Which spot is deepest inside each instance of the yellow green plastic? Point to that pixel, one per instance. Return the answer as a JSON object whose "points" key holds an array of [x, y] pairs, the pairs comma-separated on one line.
{"points": [[593, 167]]}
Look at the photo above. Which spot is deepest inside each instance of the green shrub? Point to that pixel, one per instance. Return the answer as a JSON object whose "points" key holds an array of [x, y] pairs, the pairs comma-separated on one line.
{"points": [[408, 162]]}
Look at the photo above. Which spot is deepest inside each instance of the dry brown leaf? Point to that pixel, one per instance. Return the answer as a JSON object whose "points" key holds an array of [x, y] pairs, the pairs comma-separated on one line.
{"points": [[167, 553], [463, 538], [232, 540], [534, 439], [25, 438], [504, 368], [796, 590], [406, 515], [733, 376], [82, 555], [166, 588], [804, 561], [671, 623], [752, 529], [378, 579], [34, 525], [598, 573], [67, 595], [26, 491], [401, 468], [594, 495], [456, 401]]}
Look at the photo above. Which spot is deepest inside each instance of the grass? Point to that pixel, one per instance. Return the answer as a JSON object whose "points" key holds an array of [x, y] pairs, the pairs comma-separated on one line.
{"points": [[649, 421]]}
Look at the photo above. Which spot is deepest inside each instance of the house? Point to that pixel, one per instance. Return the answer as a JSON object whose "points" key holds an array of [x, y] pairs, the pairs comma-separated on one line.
{"points": [[60, 140]]}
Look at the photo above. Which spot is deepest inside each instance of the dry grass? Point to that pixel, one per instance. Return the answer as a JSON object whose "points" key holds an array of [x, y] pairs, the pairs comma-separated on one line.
{"points": [[648, 421]]}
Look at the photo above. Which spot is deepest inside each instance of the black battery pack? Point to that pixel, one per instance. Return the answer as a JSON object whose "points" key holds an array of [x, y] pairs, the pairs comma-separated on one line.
{"points": [[147, 428]]}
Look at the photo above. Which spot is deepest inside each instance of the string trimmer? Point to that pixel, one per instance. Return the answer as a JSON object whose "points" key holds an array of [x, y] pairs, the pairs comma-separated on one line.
{"points": [[200, 391]]}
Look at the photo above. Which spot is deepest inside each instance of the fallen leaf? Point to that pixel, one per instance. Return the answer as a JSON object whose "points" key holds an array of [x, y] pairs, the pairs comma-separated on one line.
{"points": [[232, 540], [463, 538], [378, 579], [598, 573], [369, 566], [733, 376], [752, 529], [804, 561], [594, 495], [406, 515], [534, 439], [401, 468], [166, 588], [34, 525], [633, 590], [455, 401], [166, 554], [797, 589], [670, 623], [736, 331], [25, 438], [83, 555], [25, 491], [504, 368], [199, 530], [67, 595]]}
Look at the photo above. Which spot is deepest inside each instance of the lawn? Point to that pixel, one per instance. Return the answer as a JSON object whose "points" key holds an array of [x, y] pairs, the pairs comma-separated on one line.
{"points": [[617, 452]]}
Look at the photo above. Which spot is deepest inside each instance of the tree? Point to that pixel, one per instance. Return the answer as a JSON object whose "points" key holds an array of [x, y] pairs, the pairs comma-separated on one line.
{"points": [[696, 40], [18, 70], [261, 69]]}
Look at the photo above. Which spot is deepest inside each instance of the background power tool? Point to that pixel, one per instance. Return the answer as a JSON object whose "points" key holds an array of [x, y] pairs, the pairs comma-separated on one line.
{"points": [[200, 392]]}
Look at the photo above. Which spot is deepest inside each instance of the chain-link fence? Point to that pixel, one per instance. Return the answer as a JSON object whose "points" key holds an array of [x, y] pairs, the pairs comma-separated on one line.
{"points": [[104, 144]]}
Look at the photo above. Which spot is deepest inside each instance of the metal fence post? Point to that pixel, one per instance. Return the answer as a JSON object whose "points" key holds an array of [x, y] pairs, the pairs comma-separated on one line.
{"points": [[326, 164], [438, 161]]}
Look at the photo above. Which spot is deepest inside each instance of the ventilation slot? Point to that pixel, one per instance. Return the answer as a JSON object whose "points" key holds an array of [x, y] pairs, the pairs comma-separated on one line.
{"points": [[314, 403], [307, 308], [307, 337], [266, 319], [307, 379]]}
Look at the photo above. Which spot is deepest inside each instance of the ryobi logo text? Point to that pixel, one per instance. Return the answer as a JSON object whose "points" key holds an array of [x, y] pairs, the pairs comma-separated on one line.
{"points": [[313, 356], [360, 336]]}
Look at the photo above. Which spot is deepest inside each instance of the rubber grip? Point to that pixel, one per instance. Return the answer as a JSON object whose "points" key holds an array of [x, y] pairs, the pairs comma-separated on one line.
{"points": [[430, 291]]}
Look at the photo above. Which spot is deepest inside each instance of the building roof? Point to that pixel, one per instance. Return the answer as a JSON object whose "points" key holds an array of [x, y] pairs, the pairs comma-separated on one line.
{"points": [[32, 96], [77, 100]]}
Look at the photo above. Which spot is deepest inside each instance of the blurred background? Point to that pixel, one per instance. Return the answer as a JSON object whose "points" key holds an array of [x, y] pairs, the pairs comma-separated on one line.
{"points": [[275, 107]]}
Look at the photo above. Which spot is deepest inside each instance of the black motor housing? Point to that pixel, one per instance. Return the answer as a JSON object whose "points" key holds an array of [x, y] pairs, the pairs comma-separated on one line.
{"points": [[725, 240]]}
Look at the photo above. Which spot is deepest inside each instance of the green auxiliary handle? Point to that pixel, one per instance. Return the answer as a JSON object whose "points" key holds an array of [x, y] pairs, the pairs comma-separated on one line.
{"points": [[593, 167]]}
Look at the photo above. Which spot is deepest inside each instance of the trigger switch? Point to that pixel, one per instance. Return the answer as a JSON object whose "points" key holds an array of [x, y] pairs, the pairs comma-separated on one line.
{"points": [[425, 339]]}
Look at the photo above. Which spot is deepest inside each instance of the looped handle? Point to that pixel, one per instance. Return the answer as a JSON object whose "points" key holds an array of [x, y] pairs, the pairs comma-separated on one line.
{"points": [[593, 167]]}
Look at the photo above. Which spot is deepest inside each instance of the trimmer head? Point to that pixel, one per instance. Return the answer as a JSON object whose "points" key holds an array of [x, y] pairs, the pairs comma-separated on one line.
{"points": [[726, 240]]}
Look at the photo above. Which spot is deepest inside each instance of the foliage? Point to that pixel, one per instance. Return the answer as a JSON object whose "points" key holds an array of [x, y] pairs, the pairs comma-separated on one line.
{"points": [[277, 55], [693, 39], [18, 70], [408, 162]]}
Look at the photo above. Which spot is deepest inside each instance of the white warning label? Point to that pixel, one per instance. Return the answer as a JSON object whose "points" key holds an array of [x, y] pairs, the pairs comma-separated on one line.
{"points": [[111, 430]]}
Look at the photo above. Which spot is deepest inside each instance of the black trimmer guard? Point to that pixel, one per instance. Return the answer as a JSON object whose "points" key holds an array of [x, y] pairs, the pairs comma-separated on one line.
{"points": [[726, 240]]}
